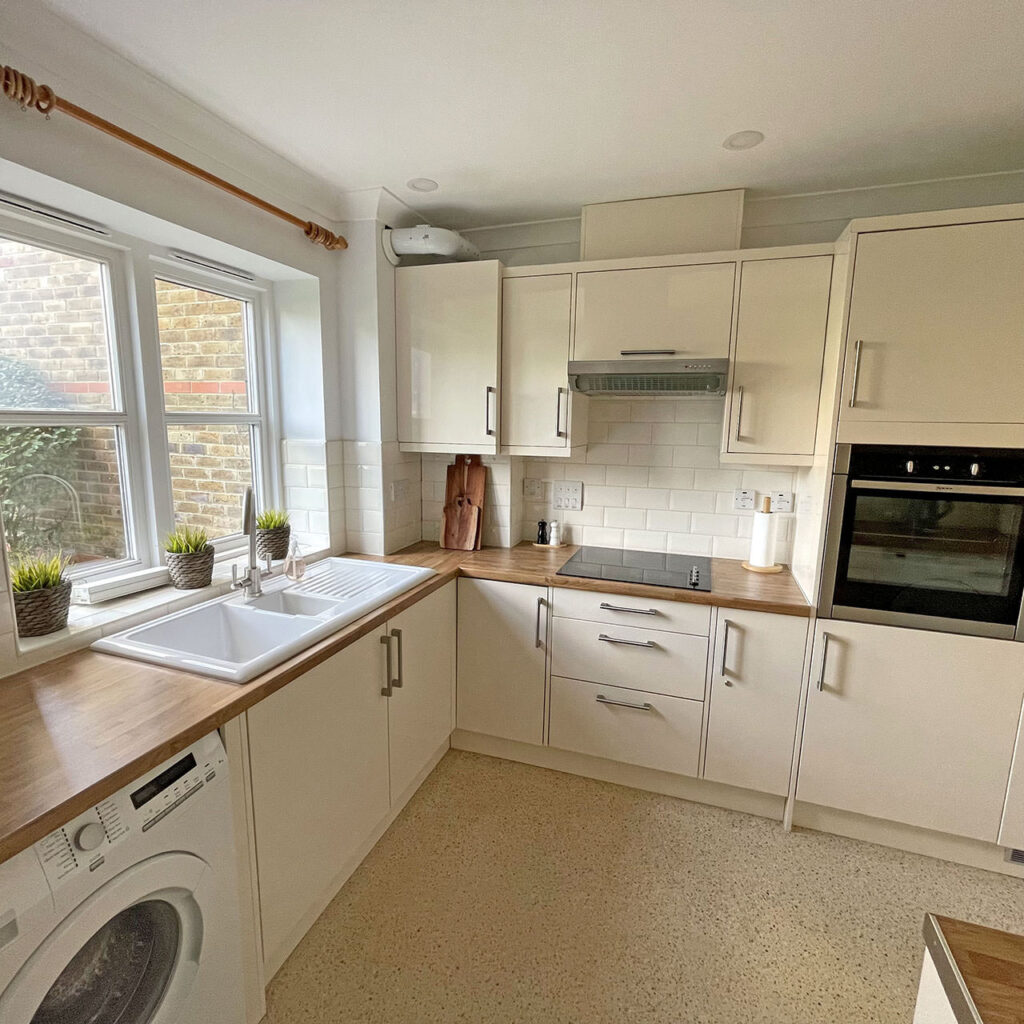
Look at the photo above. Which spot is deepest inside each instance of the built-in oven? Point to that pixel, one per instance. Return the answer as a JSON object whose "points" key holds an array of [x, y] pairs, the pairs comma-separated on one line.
{"points": [[931, 538]]}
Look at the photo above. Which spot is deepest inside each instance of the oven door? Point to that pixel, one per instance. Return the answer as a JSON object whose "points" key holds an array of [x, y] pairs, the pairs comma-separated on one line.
{"points": [[948, 557]]}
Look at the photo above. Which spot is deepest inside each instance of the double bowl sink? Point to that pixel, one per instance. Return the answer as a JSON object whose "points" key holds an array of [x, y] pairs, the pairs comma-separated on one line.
{"points": [[236, 639]]}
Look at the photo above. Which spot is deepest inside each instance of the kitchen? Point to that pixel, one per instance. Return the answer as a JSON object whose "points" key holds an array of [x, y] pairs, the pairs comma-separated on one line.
{"points": [[413, 782]]}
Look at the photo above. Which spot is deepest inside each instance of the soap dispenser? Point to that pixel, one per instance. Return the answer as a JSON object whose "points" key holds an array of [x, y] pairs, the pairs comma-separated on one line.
{"points": [[294, 564]]}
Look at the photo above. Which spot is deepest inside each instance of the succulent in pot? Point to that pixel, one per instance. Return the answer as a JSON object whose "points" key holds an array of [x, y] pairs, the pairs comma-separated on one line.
{"points": [[42, 594], [189, 555], [272, 533]]}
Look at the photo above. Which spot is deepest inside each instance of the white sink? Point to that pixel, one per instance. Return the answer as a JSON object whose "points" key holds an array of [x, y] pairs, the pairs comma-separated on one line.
{"points": [[233, 639]]}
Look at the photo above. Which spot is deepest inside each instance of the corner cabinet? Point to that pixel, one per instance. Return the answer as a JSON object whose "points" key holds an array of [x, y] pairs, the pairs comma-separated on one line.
{"points": [[539, 415], [912, 726], [778, 351], [448, 352], [936, 336]]}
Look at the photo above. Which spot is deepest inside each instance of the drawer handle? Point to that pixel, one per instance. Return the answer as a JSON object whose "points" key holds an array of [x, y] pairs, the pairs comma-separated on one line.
{"points": [[632, 643], [606, 607], [602, 699]]}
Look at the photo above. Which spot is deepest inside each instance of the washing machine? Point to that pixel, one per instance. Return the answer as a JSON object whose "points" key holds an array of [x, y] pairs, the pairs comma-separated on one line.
{"points": [[129, 913]]}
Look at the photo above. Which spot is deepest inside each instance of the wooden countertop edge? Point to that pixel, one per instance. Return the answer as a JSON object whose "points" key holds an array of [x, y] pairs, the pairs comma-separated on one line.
{"points": [[243, 696]]}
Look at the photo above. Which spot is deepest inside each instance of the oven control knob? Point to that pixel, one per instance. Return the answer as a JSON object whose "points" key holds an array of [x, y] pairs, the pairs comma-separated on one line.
{"points": [[89, 837], [910, 465], [975, 469]]}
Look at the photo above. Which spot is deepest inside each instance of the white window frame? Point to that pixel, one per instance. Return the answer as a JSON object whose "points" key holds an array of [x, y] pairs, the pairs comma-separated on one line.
{"points": [[131, 269]]}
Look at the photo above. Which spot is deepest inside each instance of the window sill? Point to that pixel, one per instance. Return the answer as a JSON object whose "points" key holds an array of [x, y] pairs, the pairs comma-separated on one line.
{"points": [[87, 623]]}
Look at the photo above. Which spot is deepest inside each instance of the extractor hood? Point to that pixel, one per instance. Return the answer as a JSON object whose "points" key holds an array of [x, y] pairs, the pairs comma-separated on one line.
{"points": [[650, 378]]}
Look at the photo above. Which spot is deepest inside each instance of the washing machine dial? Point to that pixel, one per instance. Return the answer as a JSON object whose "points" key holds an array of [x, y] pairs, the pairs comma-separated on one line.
{"points": [[89, 837]]}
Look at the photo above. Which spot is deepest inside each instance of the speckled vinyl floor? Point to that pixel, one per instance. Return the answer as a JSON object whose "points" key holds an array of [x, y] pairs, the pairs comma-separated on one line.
{"points": [[506, 893]]}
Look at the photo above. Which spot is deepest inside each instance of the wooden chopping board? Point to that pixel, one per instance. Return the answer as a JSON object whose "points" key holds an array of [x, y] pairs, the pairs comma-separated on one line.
{"points": [[463, 517]]}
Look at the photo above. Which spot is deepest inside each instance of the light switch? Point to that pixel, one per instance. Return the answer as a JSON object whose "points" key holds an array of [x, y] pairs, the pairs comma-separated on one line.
{"points": [[743, 501], [567, 496]]}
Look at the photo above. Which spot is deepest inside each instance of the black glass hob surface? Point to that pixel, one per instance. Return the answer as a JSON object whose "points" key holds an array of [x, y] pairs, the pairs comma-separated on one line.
{"points": [[687, 572]]}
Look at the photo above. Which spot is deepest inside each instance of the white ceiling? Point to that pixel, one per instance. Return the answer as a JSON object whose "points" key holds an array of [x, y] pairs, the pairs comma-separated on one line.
{"points": [[526, 109]]}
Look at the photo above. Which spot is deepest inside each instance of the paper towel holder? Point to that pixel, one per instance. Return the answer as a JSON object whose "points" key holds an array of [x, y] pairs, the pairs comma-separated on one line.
{"points": [[766, 510]]}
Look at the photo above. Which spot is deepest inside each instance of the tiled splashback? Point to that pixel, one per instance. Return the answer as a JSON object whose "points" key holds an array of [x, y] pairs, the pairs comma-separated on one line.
{"points": [[314, 493], [382, 492], [652, 480]]}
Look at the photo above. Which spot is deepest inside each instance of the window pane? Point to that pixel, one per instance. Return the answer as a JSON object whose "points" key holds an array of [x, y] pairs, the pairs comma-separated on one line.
{"points": [[211, 466], [203, 349], [60, 490], [54, 351]]}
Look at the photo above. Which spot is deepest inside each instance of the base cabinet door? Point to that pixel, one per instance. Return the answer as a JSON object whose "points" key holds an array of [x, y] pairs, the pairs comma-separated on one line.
{"points": [[318, 750], [646, 729], [912, 726], [502, 646], [421, 706], [755, 693]]}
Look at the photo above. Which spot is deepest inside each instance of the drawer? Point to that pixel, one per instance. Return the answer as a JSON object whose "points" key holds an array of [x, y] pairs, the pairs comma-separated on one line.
{"points": [[657, 732], [640, 659], [644, 612]]}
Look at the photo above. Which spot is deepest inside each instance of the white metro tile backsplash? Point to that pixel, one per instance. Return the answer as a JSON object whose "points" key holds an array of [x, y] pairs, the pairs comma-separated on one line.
{"points": [[314, 493], [652, 480]]}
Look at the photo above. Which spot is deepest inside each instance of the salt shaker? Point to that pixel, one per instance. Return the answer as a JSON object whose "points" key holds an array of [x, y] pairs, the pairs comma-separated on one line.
{"points": [[554, 534]]}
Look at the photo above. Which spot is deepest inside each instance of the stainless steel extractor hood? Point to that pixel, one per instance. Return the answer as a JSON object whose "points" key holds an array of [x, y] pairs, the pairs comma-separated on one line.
{"points": [[650, 378]]}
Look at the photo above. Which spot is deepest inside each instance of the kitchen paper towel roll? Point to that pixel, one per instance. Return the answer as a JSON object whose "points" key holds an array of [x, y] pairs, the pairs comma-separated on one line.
{"points": [[762, 541]]}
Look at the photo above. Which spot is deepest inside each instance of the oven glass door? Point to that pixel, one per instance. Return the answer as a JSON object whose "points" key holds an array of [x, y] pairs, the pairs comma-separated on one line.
{"points": [[914, 551]]}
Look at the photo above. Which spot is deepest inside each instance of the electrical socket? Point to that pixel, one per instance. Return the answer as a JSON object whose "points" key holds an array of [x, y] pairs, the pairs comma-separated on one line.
{"points": [[567, 495], [533, 489], [782, 501], [743, 501]]}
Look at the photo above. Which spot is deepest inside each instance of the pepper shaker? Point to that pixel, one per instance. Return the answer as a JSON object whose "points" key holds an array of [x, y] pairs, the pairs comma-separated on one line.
{"points": [[542, 532]]}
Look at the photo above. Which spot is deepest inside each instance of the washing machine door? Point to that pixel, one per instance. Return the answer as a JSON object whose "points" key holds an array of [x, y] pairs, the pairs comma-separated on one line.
{"points": [[128, 954]]}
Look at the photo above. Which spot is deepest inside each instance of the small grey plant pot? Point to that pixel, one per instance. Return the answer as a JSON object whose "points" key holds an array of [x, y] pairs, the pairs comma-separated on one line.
{"points": [[273, 542], [191, 570], [39, 612]]}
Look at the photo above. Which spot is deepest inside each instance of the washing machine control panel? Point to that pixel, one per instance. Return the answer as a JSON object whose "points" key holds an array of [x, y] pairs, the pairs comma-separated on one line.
{"points": [[82, 844]]}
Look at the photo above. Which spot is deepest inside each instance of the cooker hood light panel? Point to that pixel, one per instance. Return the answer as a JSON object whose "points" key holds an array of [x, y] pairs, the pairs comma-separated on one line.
{"points": [[650, 378]]}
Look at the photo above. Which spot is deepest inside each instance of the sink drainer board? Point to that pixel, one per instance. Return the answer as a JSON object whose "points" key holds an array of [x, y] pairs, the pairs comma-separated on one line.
{"points": [[233, 639]]}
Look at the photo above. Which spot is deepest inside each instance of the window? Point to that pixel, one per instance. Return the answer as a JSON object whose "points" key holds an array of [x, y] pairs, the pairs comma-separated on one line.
{"points": [[117, 427]]}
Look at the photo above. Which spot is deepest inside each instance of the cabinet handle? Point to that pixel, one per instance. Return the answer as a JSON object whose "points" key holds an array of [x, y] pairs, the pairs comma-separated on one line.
{"points": [[559, 432], [385, 690], [824, 657], [631, 643], [537, 637], [400, 678], [488, 391], [647, 352], [602, 699], [725, 649], [605, 606], [739, 413], [858, 345]]}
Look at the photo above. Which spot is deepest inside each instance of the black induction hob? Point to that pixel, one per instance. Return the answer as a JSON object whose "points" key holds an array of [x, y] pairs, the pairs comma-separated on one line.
{"points": [[688, 572]]}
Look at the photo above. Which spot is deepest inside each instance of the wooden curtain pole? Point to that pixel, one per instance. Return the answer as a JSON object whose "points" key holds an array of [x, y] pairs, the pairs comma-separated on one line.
{"points": [[24, 91]]}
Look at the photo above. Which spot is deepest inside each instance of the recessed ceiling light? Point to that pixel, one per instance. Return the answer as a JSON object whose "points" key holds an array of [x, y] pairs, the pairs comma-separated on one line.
{"points": [[741, 140], [422, 184]]}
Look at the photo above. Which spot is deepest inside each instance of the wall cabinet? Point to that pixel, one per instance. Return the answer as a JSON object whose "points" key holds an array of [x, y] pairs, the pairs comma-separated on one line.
{"points": [[539, 415], [661, 311], [912, 726], [757, 665], [502, 649], [935, 333], [448, 351], [331, 753], [777, 355]]}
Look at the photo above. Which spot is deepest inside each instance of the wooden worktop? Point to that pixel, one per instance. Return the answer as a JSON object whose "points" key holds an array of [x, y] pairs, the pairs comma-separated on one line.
{"points": [[981, 969], [77, 729]]}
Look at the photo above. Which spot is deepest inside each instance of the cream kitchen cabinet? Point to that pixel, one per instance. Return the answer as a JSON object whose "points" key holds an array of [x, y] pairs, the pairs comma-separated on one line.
{"points": [[502, 650], [448, 352], [911, 726], [335, 751], [757, 665], [772, 408], [318, 752], [657, 312], [539, 415], [936, 334], [1011, 830]]}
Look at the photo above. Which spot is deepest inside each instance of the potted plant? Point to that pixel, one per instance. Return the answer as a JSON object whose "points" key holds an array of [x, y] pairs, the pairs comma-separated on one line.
{"points": [[42, 595], [272, 533], [189, 558]]}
